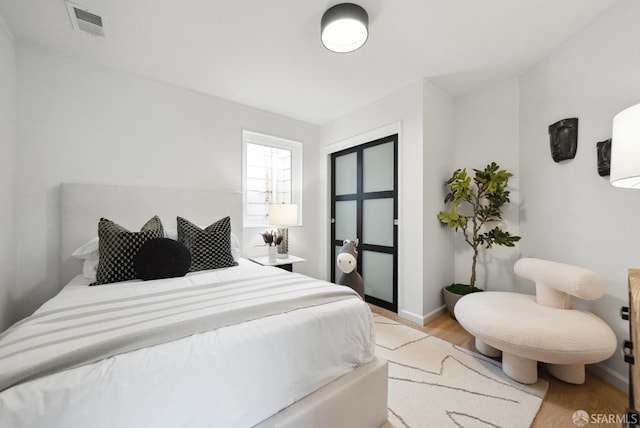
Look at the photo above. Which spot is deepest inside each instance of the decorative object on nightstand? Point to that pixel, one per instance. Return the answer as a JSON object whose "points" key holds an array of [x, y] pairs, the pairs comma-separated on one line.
{"points": [[625, 172], [272, 240], [286, 264], [283, 215]]}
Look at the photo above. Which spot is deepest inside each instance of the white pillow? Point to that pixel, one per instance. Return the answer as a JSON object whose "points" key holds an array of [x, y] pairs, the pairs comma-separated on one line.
{"points": [[235, 247], [90, 269], [172, 233], [89, 251]]}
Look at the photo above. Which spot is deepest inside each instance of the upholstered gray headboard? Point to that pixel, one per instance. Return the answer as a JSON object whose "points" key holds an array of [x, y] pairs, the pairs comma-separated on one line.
{"points": [[131, 206]]}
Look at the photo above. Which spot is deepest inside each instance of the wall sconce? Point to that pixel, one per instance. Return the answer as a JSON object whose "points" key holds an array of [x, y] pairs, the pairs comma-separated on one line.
{"points": [[625, 149]]}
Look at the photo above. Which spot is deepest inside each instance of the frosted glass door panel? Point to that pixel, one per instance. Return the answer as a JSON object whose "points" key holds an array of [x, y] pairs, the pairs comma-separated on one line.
{"points": [[346, 220], [377, 273], [378, 168], [346, 174], [377, 221]]}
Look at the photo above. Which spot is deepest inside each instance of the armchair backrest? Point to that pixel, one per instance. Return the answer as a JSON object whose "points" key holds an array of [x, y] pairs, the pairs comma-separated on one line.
{"points": [[557, 282]]}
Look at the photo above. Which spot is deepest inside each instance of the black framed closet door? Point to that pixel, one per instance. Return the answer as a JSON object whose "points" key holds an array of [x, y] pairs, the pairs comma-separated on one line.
{"points": [[364, 206]]}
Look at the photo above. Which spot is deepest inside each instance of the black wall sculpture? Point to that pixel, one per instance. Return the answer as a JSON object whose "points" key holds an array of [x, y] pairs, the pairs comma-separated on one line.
{"points": [[564, 139], [604, 157]]}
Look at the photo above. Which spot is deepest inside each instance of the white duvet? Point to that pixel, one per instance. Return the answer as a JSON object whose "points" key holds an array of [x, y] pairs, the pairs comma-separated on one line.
{"points": [[234, 376]]}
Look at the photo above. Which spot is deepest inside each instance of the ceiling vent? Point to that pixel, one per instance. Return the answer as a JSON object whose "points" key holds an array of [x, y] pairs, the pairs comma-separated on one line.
{"points": [[86, 20]]}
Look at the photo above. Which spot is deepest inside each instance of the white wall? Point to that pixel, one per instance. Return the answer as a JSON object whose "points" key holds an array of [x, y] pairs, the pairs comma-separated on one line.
{"points": [[407, 107], [438, 143], [7, 177], [570, 213], [79, 122], [487, 130]]}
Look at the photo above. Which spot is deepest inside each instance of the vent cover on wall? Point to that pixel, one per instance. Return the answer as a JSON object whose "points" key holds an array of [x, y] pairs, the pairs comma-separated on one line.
{"points": [[85, 20]]}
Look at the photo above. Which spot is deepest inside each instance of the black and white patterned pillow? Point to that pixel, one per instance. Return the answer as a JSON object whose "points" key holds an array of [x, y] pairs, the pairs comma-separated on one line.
{"points": [[118, 246], [210, 248]]}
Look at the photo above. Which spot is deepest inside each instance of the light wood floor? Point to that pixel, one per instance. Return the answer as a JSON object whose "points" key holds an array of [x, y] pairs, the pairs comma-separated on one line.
{"points": [[595, 396]]}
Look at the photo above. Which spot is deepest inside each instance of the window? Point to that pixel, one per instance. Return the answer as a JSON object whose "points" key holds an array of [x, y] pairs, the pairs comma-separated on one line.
{"points": [[272, 173]]}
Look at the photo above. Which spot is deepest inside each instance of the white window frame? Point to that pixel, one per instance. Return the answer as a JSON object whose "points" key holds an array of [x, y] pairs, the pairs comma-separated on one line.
{"points": [[251, 137]]}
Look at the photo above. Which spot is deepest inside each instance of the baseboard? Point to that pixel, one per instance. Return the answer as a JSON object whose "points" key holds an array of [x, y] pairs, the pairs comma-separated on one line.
{"points": [[422, 319], [614, 378], [434, 314], [410, 316]]}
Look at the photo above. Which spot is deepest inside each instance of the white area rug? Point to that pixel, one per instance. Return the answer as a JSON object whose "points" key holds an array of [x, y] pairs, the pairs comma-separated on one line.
{"points": [[433, 383]]}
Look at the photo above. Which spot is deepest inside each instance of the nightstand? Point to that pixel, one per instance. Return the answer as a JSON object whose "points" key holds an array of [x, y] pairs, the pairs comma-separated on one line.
{"points": [[286, 264]]}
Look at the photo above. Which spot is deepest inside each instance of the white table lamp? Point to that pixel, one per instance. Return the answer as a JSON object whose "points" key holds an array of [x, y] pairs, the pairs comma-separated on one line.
{"points": [[625, 149], [283, 215]]}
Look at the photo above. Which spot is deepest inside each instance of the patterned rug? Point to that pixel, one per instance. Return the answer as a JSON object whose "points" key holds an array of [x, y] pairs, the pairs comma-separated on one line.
{"points": [[433, 383]]}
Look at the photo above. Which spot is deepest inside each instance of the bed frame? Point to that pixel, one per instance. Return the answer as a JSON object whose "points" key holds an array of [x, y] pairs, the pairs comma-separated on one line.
{"points": [[357, 399]]}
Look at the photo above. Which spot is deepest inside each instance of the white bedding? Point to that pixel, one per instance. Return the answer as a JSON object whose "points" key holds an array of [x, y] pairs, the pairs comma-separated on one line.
{"points": [[234, 376]]}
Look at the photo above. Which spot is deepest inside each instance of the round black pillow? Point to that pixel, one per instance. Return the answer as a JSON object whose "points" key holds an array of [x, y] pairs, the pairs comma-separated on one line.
{"points": [[161, 258]]}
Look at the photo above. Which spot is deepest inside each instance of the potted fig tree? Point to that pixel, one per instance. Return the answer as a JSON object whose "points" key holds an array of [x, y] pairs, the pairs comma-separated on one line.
{"points": [[475, 209]]}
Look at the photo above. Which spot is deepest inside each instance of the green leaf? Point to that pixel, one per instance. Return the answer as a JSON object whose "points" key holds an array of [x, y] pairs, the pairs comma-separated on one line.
{"points": [[497, 236]]}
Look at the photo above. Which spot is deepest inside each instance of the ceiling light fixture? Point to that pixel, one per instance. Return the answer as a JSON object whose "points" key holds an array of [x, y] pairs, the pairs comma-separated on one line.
{"points": [[344, 27]]}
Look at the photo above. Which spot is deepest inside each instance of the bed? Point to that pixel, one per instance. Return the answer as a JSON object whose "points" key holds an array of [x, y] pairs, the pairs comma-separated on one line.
{"points": [[280, 349]]}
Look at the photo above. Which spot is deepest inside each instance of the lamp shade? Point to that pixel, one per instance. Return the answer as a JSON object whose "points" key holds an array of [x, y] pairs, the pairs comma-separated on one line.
{"points": [[344, 27], [283, 214], [625, 149]]}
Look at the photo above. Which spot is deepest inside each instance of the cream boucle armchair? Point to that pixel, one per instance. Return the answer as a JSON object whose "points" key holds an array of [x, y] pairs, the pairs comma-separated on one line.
{"points": [[526, 329]]}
